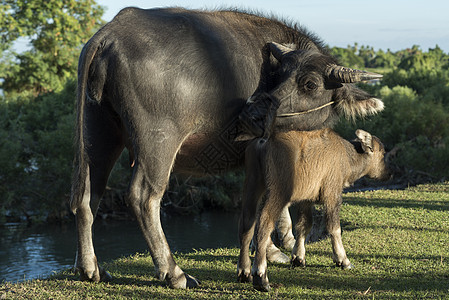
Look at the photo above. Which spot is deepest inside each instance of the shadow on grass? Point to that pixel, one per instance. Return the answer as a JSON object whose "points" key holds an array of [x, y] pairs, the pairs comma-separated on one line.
{"points": [[439, 205], [135, 278]]}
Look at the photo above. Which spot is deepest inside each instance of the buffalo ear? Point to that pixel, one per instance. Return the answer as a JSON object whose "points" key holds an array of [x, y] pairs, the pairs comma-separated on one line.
{"points": [[279, 50], [365, 139], [354, 103]]}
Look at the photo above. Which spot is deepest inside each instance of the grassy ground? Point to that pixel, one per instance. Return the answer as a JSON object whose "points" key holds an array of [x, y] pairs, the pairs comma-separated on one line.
{"points": [[398, 242]]}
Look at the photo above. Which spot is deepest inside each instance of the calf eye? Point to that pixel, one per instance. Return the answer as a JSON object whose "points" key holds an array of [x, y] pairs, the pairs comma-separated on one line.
{"points": [[310, 85]]}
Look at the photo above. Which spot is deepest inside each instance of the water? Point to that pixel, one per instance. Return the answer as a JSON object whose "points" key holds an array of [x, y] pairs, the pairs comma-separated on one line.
{"points": [[38, 251]]}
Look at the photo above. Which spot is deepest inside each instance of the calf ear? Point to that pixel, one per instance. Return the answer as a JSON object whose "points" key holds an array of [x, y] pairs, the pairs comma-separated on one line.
{"points": [[365, 139]]}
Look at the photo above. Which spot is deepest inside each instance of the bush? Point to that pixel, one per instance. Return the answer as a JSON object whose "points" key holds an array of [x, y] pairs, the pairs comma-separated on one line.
{"points": [[36, 155]]}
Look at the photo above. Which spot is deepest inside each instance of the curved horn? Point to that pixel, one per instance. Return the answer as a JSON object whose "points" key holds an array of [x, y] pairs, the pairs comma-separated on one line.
{"points": [[347, 75], [279, 50]]}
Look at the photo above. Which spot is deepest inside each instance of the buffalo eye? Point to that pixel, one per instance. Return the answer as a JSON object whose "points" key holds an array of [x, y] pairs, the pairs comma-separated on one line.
{"points": [[310, 85]]}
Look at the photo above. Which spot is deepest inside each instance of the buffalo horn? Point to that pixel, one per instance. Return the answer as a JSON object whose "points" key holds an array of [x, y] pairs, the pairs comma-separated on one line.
{"points": [[279, 50], [347, 75]]}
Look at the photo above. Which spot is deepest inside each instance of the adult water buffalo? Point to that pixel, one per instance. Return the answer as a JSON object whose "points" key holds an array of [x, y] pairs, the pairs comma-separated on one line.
{"points": [[169, 84]]}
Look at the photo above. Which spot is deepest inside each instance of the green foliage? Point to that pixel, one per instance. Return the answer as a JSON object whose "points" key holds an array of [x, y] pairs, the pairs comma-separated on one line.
{"points": [[37, 106], [416, 115], [36, 158], [55, 29], [348, 57]]}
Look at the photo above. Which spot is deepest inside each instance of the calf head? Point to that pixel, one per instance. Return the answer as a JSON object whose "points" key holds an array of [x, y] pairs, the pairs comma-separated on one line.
{"points": [[310, 79], [374, 155]]}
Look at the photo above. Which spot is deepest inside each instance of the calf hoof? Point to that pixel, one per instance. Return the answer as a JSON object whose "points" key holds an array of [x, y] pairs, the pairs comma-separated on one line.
{"points": [[298, 262], [345, 267], [275, 255], [278, 257], [261, 283], [243, 277], [104, 275], [192, 282]]}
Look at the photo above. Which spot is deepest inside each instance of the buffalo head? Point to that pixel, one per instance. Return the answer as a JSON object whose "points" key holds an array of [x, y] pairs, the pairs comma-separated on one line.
{"points": [[313, 90]]}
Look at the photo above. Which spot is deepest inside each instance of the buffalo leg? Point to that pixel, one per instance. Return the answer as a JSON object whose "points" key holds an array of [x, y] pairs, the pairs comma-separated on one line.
{"points": [[302, 228], [104, 143], [332, 213], [149, 181]]}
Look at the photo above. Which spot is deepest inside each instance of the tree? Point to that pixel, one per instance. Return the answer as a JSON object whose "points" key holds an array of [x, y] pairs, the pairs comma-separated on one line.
{"points": [[37, 103], [348, 57], [55, 29]]}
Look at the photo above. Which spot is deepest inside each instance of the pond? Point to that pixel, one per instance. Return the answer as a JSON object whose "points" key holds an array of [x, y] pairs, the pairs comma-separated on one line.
{"points": [[38, 251]]}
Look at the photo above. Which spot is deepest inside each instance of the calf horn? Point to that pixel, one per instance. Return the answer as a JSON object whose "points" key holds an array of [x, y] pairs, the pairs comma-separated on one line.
{"points": [[347, 75]]}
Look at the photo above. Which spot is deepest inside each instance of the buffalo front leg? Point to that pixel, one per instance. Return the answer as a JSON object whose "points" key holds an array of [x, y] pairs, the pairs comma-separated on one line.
{"points": [[149, 181], [302, 228], [332, 213]]}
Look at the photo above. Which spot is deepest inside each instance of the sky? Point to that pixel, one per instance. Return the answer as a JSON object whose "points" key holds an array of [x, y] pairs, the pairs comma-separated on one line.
{"points": [[382, 24]]}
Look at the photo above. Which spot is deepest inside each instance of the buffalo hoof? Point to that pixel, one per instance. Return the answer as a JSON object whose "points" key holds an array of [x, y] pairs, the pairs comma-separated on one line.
{"points": [[297, 262], [244, 277], [261, 283], [98, 275], [184, 281]]}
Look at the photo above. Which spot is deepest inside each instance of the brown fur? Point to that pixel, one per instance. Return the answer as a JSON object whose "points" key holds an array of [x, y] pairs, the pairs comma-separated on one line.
{"points": [[305, 168]]}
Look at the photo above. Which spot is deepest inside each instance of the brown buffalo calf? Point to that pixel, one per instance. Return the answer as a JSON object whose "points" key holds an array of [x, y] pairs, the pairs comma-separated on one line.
{"points": [[305, 168]]}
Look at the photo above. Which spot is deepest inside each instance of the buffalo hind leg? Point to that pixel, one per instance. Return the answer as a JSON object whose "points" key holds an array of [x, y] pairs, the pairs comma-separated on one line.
{"points": [[302, 228], [104, 139], [148, 184]]}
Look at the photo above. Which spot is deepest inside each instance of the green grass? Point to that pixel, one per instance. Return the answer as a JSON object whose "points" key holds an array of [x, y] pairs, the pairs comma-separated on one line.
{"points": [[398, 242]]}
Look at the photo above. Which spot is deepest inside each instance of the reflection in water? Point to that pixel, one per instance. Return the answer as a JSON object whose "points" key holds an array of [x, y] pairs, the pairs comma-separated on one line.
{"points": [[37, 251]]}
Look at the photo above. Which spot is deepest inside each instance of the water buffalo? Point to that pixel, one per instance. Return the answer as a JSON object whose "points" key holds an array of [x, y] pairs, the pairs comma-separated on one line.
{"points": [[305, 168], [169, 84]]}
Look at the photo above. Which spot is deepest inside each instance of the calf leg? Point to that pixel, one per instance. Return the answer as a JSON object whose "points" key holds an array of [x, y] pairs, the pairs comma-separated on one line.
{"points": [[270, 212], [284, 230], [303, 227], [332, 213], [152, 169], [253, 189], [274, 254]]}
